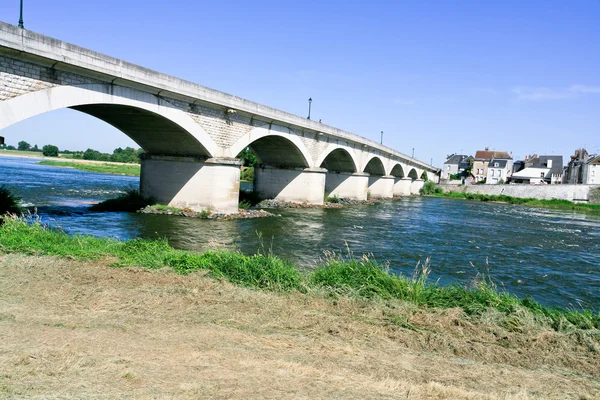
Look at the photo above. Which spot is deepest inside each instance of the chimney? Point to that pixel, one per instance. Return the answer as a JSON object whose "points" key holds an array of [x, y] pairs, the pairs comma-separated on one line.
{"points": [[487, 148]]}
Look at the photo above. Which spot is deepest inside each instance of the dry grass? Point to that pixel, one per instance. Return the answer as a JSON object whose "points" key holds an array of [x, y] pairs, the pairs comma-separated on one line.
{"points": [[81, 330]]}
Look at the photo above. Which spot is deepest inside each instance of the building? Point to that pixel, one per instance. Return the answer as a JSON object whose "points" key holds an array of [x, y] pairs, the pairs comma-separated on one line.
{"points": [[540, 170], [498, 171], [591, 170], [482, 160], [455, 164], [582, 168], [575, 167], [517, 166]]}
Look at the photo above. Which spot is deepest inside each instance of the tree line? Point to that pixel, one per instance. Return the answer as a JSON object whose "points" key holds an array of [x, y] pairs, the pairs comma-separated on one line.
{"points": [[126, 155]]}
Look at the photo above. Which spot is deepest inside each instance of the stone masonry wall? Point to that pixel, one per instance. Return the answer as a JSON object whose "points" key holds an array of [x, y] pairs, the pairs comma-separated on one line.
{"points": [[576, 193]]}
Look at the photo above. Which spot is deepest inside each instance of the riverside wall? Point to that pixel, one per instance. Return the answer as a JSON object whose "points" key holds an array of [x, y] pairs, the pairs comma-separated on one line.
{"points": [[575, 193]]}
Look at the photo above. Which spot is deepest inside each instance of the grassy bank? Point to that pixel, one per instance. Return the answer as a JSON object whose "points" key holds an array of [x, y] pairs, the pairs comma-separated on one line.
{"points": [[431, 189], [336, 276], [103, 168], [79, 329]]}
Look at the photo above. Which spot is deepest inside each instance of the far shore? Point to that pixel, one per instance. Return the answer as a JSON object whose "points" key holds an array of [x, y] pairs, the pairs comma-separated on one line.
{"points": [[39, 155]]}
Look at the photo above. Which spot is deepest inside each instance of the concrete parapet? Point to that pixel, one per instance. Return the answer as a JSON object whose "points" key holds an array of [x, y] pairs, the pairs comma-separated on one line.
{"points": [[199, 184], [298, 185], [402, 186], [381, 187], [347, 185], [416, 186]]}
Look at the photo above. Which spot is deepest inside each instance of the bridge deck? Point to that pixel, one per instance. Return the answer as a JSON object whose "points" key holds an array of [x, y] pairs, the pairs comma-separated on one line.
{"points": [[65, 56]]}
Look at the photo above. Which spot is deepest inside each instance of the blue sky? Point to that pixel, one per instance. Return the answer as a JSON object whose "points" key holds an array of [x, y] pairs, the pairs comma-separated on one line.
{"points": [[436, 76]]}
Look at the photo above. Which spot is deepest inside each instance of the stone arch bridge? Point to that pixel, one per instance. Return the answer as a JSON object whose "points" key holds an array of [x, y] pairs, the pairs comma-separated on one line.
{"points": [[191, 134]]}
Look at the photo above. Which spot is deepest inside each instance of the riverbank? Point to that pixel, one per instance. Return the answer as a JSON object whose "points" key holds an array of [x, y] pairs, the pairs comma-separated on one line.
{"points": [[179, 332], [98, 167], [554, 203], [266, 271]]}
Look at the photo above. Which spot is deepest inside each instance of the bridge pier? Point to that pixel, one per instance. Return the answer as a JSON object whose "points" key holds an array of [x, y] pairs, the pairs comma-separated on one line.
{"points": [[347, 185], [416, 185], [381, 187], [402, 186], [297, 185], [199, 184]]}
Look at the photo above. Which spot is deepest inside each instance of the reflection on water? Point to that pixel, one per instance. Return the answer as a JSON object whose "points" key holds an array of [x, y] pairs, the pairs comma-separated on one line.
{"points": [[548, 254]]}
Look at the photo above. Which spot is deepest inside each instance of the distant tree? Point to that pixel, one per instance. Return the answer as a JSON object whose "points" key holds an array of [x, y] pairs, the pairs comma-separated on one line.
{"points": [[91, 154], [10, 147], [50, 151], [248, 157], [424, 176], [35, 148], [23, 146], [126, 155]]}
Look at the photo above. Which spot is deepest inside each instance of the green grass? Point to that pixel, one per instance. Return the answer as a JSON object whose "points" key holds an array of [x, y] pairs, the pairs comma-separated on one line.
{"points": [[554, 203], [22, 153], [350, 276], [103, 168]]}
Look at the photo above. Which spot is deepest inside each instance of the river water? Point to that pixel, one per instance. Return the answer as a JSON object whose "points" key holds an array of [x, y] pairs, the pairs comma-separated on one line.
{"points": [[550, 255]]}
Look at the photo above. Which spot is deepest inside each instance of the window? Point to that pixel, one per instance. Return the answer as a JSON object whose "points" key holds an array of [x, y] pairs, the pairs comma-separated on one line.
{"points": [[542, 174], [496, 165], [448, 168], [499, 173], [492, 172]]}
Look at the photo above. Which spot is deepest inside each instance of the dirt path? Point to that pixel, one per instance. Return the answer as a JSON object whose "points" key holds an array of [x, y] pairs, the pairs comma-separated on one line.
{"points": [[73, 330]]}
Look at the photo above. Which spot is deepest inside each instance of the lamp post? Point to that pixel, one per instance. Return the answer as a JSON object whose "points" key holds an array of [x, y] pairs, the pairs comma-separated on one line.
{"points": [[381, 141], [21, 17], [309, 104], [413, 156]]}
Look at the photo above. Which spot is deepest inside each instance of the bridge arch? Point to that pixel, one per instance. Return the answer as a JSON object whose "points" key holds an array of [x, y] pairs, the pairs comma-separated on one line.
{"points": [[413, 173], [274, 145], [397, 171], [154, 124], [338, 159], [374, 166]]}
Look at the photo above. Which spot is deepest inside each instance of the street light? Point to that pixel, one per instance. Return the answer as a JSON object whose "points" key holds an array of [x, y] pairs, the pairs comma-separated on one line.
{"points": [[413, 156], [21, 17], [381, 141], [309, 103]]}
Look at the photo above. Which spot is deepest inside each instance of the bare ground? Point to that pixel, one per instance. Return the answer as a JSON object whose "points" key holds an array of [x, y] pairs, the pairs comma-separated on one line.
{"points": [[75, 330]]}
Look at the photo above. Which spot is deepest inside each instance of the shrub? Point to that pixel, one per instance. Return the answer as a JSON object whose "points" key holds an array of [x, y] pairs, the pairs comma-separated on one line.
{"points": [[333, 199], [9, 203], [247, 174], [130, 201], [50, 151], [430, 188]]}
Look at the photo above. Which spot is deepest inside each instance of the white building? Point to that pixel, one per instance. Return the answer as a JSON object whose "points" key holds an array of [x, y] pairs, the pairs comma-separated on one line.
{"points": [[591, 171], [541, 170], [498, 171]]}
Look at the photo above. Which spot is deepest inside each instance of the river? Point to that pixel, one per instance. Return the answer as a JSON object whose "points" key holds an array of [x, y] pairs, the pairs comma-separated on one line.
{"points": [[550, 255]]}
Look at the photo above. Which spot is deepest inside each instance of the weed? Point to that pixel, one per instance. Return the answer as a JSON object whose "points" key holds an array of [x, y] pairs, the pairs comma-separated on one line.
{"points": [[333, 199]]}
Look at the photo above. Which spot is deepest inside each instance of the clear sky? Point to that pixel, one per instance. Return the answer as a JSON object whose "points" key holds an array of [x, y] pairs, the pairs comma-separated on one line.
{"points": [[437, 76]]}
